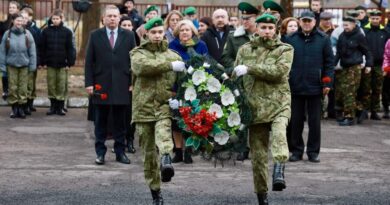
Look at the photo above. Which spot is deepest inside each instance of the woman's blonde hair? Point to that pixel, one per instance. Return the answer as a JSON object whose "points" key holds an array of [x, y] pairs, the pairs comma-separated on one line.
{"points": [[188, 23], [166, 22]]}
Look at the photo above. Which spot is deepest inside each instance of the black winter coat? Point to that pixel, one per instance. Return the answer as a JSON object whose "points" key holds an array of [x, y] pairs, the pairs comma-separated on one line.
{"points": [[215, 44], [351, 47], [56, 47], [376, 37], [36, 33], [109, 67], [313, 60]]}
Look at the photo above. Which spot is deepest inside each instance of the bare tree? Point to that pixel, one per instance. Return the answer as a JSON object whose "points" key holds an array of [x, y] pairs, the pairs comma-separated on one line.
{"points": [[91, 21]]}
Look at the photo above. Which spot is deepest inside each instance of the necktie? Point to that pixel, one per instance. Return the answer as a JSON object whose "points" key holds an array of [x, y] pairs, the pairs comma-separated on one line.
{"points": [[112, 39]]}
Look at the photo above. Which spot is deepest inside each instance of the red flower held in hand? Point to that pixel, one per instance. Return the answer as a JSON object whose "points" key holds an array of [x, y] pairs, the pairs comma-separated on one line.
{"points": [[326, 80], [387, 69], [98, 87], [103, 96]]}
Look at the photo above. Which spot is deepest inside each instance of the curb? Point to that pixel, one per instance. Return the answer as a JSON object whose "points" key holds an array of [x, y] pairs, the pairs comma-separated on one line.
{"points": [[74, 102]]}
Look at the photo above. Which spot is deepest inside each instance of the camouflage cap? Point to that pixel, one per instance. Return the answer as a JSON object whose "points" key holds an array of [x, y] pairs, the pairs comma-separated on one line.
{"points": [[189, 11], [273, 6], [247, 8], [149, 9], [375, 13], [266, 18], [154, 22]]}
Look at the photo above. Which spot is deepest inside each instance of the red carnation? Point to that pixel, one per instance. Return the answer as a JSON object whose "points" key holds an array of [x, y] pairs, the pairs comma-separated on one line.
{"points": [[98, 87], [326, 80], [386, 69], [103, 96]]}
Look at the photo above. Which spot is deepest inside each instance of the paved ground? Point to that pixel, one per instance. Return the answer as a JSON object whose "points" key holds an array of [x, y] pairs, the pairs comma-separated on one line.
{"points": [[50, 160]]}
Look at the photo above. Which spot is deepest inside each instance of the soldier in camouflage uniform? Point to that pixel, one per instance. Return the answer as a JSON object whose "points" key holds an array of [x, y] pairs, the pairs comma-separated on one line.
{"points": [[266, 61], [153, 79], [376, 36], [351, 47], [236, 39]]}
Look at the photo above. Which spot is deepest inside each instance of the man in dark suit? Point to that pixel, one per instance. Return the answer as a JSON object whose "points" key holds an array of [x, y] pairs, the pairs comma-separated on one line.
{"points": [[108, 80]]}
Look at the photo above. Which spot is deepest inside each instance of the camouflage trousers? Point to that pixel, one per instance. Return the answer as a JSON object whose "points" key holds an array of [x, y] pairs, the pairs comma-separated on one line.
{"points": [[259, 136], [17, 82], [371, 89], [56, 83], [347, 83], [154, 134], [31, 86]]}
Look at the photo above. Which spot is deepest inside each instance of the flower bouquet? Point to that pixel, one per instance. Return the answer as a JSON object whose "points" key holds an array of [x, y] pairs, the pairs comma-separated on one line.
{"points": [[212, 108]]}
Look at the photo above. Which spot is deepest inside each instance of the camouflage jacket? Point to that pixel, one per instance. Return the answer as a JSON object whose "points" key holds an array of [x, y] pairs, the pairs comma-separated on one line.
{"points": [[153, 79], [269, 63]]}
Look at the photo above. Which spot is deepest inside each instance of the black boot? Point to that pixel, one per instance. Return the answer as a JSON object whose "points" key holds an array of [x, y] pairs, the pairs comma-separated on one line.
{"points": [[130, 146], [178, 155], [14, 111], [26, 108], [278, 183], [374, 116], [60, 108], [361, 116], [53, 104], [386, 114], [21, 112], [4, 81], [30, 104], [157, 198], [243, 155], [166, 168], [262, 198], [187, 156]]}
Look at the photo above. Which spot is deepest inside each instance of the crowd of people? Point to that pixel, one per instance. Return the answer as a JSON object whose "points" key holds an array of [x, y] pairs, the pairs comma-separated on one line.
{"points": [[295, 69]]}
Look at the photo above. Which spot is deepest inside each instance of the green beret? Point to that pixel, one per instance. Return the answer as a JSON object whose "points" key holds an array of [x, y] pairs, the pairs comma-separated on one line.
{"points": [[269, 4], [266, 18], [375, 13], [189, 11], [247, 8], [149, 9], [353, 13], [154, 22]]}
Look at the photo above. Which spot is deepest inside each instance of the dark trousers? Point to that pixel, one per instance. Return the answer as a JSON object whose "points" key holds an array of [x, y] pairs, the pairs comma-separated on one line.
{"points": [[298, 105], [386, 94], [102, 113], [130, 128], [331, 104]]}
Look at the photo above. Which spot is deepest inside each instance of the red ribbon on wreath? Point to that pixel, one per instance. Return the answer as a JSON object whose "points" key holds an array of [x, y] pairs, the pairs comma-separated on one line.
{"points": [[200, 123]]}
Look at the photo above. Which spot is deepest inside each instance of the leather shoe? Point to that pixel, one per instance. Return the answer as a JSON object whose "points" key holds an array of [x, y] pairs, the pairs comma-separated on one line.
{"points": [[295, 158], [314, 158], [122, 158], [99, 160], [374, 116]]}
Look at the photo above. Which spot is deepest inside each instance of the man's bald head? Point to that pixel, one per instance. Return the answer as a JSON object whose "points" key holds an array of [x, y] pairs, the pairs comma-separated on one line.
{"points": [[220, 18]]}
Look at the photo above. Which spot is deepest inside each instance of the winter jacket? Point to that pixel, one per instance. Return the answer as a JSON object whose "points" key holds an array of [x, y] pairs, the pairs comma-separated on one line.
{"points": [[153, 81], [215, 43], [5, 25], [199, 47], [376, 38], [36, 33], [266, 84], [386, 57], [169, 35], [20, 53], [351, 47], [235, 40], [313, 61], [57, 50]]}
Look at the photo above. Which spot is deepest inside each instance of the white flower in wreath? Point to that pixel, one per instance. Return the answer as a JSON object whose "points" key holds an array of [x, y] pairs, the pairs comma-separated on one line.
{"points": [[222, 137], [234, 119], [227, 98], [190, 94], [215, 108], [198, 77], [206, 65], [213, 85]]}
